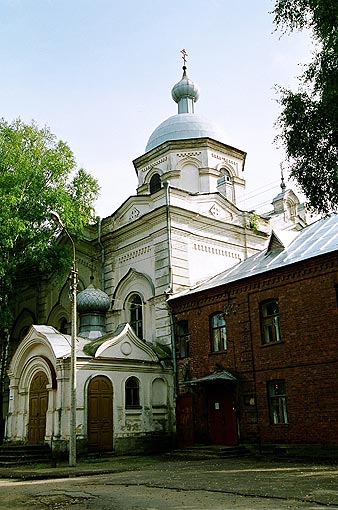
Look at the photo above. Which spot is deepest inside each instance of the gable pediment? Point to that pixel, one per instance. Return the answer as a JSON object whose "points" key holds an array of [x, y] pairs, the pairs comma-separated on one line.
{"points": [[124, 344]]}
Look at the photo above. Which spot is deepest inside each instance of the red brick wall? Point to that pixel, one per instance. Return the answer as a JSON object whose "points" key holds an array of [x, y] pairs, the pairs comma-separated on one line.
{"points": [[306, 358]]}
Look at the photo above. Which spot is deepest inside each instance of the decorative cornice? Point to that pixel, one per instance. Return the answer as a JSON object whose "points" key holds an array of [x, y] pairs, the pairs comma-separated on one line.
{"points": [[152, 165], [188, 154], [190, 144], [225, 159], [134, 254], [214, 250]]}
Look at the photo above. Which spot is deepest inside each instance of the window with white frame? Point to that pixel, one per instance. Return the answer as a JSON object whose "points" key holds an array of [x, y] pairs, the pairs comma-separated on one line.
{"points": [[277, 402], [182, 338], [136, 314], [218, 332], [270, 321], [132, 393]]}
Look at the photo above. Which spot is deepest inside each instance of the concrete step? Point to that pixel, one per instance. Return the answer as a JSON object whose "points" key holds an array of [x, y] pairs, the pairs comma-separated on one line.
{"points": [[16, 455], [209, 452]]}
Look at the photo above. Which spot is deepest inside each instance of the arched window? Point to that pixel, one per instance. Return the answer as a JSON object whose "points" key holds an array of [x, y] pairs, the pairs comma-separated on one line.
{"points": [[291, 209], [159, 393], [135, 314], [63, 327], [227, 176], [155, 183], [23, 332], [132, 393]]}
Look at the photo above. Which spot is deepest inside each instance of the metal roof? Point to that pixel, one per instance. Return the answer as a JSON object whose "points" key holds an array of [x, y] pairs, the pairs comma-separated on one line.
{"points": [[314, 240], [184, 126], [217, 376]]}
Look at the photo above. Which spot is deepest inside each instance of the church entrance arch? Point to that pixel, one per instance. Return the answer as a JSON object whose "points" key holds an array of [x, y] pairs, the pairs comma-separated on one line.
{"points": [[100, 414], [38, 404]]}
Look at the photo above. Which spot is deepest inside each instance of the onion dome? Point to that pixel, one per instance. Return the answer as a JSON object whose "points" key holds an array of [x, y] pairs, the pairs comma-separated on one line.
{"points": [[92, 300], [186, 124], [92, 305], [185, 93]]}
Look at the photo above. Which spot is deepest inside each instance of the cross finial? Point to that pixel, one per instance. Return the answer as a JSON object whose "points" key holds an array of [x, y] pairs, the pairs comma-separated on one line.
{"points": [[282, 185], [184, 56]]}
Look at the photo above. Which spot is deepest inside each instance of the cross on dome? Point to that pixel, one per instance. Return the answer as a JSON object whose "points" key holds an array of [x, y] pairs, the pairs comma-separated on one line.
{"points": [[184, 56]]}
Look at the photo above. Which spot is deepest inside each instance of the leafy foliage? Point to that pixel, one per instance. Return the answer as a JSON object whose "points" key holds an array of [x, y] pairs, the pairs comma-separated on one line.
{"points": [[309, 118], [38, 174]]}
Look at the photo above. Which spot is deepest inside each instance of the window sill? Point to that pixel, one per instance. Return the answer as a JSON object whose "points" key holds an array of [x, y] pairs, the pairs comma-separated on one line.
{"points": [[272, 343], [212, 353], [133, 410]]}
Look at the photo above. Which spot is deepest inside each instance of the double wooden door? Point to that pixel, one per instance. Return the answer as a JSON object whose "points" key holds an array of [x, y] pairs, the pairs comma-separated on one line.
{"points": [[100, 414], [38, 404]]}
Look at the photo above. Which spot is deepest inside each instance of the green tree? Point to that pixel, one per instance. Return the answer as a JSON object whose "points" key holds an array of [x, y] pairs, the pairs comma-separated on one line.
{"points": [[38, 174], [309, 119]]}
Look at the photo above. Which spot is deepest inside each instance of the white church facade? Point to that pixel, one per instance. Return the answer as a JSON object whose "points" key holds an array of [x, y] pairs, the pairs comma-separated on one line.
{"points": [[182, 226]]}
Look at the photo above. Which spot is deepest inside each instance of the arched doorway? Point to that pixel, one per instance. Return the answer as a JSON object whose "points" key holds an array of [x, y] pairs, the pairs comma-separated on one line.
{"points": [[100, 414], [38, 404]]}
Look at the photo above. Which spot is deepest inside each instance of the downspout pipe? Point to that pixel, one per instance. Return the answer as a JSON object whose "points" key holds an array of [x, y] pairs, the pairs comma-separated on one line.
{"points": [[102, 252], [169, 290], [167, 207]]}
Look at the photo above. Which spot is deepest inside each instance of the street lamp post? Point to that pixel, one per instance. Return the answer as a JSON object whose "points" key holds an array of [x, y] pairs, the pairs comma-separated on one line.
{"points": [[73, 287]]}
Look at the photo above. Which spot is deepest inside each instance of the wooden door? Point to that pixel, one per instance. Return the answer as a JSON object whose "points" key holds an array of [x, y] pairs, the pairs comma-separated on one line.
{"points": [[38, 404], [222, 415], [100, 414], [184, 421]]}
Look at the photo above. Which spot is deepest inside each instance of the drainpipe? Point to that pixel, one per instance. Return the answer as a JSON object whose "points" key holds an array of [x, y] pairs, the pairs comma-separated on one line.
{"points": [[102, 253], [167, 206], [169, 290], [253, 364]]}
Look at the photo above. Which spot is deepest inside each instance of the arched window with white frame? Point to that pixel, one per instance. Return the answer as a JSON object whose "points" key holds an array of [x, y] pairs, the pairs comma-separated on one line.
{"points": [[135, 308]]}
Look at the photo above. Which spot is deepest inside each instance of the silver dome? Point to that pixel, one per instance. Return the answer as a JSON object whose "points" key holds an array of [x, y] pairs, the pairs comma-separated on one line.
{"points": [[92, 300], [185, 126]]}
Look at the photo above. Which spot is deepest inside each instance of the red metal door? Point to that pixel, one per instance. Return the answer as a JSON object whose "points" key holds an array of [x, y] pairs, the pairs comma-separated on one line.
{"points": [[184, 421], [38, 404], [100, 414], [221, 415]]}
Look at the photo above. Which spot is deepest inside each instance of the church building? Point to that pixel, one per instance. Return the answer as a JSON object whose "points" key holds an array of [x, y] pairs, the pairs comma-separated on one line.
{"points": [[182, 226]]}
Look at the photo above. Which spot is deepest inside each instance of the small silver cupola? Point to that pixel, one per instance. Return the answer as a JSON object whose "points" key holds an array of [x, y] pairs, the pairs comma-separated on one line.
{"points": [[185, 93], [92, 305]]}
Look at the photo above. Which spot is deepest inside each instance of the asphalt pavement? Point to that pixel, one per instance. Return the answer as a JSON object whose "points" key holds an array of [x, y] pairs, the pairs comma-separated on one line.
{"points": [[284, 479]]}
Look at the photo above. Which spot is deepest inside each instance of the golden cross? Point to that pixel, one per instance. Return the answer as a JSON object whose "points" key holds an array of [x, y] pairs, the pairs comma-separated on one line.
{"points": [[184, 56]]}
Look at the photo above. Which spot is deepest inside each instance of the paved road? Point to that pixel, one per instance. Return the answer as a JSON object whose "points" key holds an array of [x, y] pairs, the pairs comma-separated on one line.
{"points": [[245, 484]]}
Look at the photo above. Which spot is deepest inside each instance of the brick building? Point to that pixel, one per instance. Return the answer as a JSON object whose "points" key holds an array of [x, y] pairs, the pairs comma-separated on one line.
{"points": [[257, 347]]}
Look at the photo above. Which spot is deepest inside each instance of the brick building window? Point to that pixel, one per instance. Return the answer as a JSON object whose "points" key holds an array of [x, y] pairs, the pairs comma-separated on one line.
{"points": [[277, 402], [270, 321], [132, 388], [218, 332], [182, 339]]}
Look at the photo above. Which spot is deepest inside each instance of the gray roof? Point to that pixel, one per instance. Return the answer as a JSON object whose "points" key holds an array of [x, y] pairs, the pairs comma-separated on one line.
{"points": [[185, 126], [316, 239], [217, 376]]}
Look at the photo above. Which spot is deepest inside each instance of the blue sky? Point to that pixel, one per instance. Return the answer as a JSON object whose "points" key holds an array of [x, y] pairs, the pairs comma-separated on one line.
{"points": [[99, 73]]}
